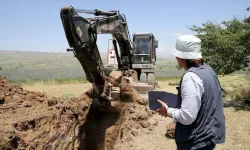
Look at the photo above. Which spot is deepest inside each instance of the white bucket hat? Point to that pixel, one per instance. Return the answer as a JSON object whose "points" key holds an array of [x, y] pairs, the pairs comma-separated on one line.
{"points": [[187, 47]]}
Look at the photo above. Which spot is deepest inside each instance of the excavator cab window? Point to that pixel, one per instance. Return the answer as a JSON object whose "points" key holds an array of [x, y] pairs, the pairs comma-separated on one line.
{"points": [[142, 50]]}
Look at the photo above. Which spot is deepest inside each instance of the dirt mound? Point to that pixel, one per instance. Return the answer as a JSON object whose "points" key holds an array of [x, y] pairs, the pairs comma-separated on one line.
{"points": [[135, 120], [32, 120], [170, 130]]}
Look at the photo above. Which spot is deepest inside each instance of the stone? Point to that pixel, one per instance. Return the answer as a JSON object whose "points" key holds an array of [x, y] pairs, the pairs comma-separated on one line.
{"points": [[134, 132], [144, 124]]}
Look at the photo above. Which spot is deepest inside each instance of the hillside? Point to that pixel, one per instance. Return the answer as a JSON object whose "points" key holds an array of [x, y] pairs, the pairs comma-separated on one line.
{"points": [[28, 65], [10, 59], [38, 60]]}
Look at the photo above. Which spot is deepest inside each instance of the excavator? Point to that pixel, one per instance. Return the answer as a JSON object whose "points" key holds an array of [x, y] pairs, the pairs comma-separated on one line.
{"points": [[143, 60], [81, 34]]}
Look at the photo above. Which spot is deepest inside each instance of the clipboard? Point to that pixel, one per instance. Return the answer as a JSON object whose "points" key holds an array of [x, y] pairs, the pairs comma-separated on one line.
{"points": [[169, 98]]}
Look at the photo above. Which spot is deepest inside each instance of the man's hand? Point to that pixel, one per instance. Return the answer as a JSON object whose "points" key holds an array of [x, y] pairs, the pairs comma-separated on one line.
{"points": [[163, 109]]}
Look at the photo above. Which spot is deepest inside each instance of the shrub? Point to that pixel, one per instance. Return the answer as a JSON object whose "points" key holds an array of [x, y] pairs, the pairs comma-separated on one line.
{"points": [[240, 98], [173, 83]]}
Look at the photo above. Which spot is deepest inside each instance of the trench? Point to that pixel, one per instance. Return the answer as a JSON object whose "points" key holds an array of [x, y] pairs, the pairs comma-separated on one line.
{"points": [[100, 130]]}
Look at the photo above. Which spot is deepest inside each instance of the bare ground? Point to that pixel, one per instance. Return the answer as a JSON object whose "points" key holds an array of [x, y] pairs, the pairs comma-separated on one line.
{"points": [[33, 120], [237, 122]]}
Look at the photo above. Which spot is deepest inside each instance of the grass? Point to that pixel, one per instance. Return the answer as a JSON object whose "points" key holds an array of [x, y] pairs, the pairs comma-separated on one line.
{"points": [[239, 98], [173, 83], [168, 78], [237, 91], [242, 98], [59, 90], [67, 87], [50, 81], [243, 94], [29, 75], [68, 80]]}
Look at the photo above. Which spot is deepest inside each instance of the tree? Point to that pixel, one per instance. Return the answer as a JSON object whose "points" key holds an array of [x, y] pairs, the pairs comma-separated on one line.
{"points": [[225, 46], [248, 9]]}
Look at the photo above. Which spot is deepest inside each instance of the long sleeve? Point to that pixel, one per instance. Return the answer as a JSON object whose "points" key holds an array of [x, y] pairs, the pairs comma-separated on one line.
{"points": [[191, 93]]}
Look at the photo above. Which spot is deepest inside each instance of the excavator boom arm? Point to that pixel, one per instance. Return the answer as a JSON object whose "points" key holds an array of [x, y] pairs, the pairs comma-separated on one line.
{"points": [[81, 34]]}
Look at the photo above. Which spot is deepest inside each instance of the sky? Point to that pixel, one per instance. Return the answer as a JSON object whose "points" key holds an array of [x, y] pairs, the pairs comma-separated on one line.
{"points": [[31, 25]]}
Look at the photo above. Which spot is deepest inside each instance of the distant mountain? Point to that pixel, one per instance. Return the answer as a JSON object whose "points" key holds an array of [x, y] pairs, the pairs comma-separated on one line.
{"points": [[166, 56], [14, 59], [165, 53]]}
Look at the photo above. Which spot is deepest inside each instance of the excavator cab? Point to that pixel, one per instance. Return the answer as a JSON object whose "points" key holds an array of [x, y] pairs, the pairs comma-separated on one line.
{"points": [[144, 50], [143, 60]]}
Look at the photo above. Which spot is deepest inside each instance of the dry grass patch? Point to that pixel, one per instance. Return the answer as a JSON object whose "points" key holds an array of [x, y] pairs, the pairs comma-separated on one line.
{"points": [[60, 90], [237, 89]]}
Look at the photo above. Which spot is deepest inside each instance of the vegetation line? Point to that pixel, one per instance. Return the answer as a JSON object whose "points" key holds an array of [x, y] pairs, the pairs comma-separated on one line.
{"points": [[49, 81], [71, 80]]}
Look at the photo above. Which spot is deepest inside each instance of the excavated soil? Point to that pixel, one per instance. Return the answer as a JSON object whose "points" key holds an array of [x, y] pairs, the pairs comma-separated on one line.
{"points": [[32, 120]]}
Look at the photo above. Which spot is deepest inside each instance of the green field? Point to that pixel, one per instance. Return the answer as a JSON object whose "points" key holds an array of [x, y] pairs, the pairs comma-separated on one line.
{"points": [[27, 67], [16, 60]]}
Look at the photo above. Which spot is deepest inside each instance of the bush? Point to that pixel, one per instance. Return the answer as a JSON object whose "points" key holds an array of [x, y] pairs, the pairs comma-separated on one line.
{"points": [[173, 83], [240, 99], [243, 94]]}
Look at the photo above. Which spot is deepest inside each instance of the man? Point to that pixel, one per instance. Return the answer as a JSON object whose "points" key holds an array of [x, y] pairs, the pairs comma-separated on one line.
{"points": [[199, 116]]}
